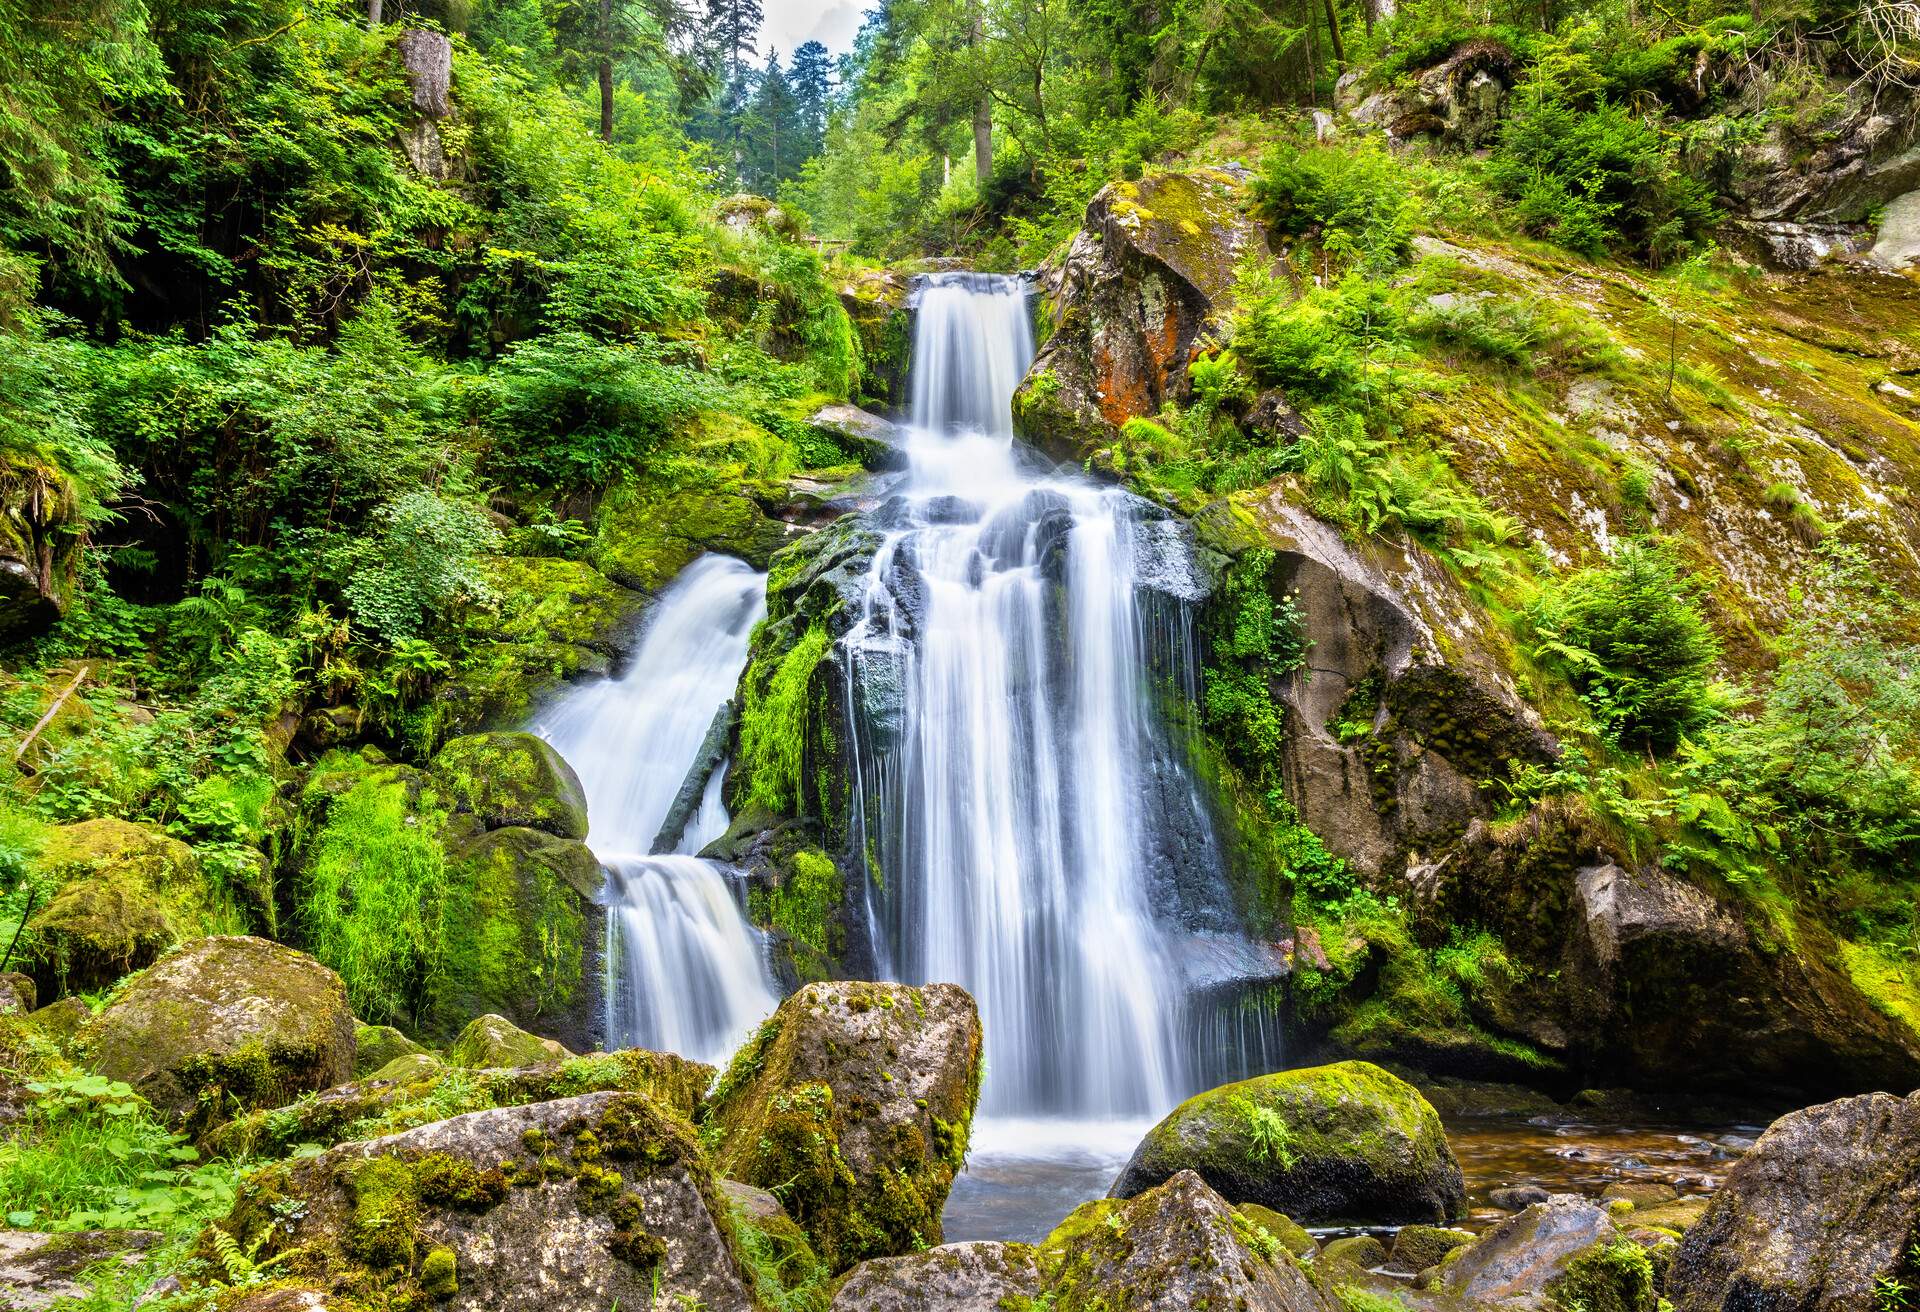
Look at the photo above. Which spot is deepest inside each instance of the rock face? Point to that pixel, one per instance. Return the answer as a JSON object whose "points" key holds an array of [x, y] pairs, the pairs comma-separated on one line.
{"points": [[127, 893], [39, 549], [853, 1105], [1174, 1247], [576, 1205], [37, 1270], [1815, 1214], [978, 1277], [494, 1041], [1137, 291], [514, 779], [1341, 1142], [1459, 101], [226, 1023]]}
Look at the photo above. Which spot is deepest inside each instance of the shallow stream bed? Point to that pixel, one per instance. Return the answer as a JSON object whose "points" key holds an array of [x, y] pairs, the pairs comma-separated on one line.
{"points": [[1024, 1176]]}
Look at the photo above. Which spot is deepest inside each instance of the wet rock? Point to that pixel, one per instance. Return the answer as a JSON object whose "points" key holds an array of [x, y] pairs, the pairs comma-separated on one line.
{"points": [[226, 1024], [1341, 1142], [1675, 1217], [1524, 1254], [853, 1104], [1821, 1209], [976, 1277], [1640, 1193], [574, 1205], [1292, 1235], [1866, 156], [712, 754], [376, 1045], [878, 303], [643, 541], [1176, 1246], [513, 779], [1141, 286], [126, 894], [494, 1041], [879, 444], [37, 1270], [1418, 1247], [1362, 1252]]}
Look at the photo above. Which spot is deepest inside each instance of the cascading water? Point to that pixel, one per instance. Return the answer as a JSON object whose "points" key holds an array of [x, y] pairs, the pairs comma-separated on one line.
{"points": [[685, 971], [1009, 802]]}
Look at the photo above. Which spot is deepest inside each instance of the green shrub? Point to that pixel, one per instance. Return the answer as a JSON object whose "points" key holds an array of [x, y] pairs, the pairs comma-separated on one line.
{"points": [[1632, 638], [1356, 198]]}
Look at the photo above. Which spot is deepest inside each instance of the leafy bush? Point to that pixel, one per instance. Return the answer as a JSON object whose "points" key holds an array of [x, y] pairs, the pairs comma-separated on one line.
{"points": [[422, 564], [1356, 198], [1632, 638]]}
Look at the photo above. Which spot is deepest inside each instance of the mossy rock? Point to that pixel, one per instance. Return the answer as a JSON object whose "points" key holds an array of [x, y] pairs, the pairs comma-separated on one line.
{"points": [[1326, 1143], [376, 1045], [1523, 1256], [494, 1041], [545, 601], [519, 906], [225, 1024], [409, 1068], [513, 780], [1418, 1247], [984, 1276], [853, 1105], [576, 1204], [502, 682], [1362, 1252], [18, 996], [1614, 1275], [1177, 1245], [1292, 1235], [644, 540], [784, 1264], [126, 894], [40, 545]]}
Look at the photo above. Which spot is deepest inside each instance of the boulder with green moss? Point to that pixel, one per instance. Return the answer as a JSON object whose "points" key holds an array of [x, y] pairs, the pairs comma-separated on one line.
{"points": [[1341, 1142], [786, 1270], [1526, 1254], [1292, 1235], [645, 539], [853, 1105], [40, 545], [494, 1041], [1177, 1245], [1820, 1214], [40, 1270], [579, 1204], [126, 894], [18, 994], [417, 1089], [513, 780], [986, 1276], [376, 1045], [225, 1024], [520, 916]]}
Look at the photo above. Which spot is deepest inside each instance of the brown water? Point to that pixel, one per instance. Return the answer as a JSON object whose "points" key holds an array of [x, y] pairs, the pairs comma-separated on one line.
{"points": [[1022, 1178]]}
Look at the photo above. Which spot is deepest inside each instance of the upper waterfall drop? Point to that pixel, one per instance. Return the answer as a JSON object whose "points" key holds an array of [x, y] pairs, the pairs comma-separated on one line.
{"points": [[686, 972], [1011, 798]]}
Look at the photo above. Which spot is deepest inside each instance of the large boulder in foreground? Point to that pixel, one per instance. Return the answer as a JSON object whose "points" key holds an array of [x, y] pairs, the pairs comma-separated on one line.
{"points": [[1177, 1246], [227, 1023], [979, 1277], [575, 1205], [494, 1041], [1565, 1249], [853, 1104], [1813, 1217], [1325, 1143], [514, 779], [126, 894]]}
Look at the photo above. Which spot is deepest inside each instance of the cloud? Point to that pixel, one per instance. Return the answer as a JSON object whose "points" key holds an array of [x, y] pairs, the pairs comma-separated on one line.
{"points": [[789, 23]]}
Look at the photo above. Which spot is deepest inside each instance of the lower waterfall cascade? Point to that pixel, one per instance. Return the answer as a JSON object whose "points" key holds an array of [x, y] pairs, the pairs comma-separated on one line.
{"points": [[685, 972]]}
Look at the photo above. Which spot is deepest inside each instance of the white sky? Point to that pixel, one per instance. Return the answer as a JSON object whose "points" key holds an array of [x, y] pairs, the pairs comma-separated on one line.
{"points": [[791, 22]]}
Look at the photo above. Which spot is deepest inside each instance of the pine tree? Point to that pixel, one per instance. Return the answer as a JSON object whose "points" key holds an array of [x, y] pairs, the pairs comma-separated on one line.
{"points": [[811, 76], [773, 137], [733, 37]]}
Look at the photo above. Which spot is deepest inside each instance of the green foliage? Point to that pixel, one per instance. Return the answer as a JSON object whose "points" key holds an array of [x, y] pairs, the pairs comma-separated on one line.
{"points": [[1260, 641], [773, 717], [421, 565], [1269, 1137], [1357, 200], [90, 1154], [1633, 640], [372, 897]]}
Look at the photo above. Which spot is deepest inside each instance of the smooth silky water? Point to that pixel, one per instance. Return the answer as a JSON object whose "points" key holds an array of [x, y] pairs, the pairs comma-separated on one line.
{"points": [[685, 972]]}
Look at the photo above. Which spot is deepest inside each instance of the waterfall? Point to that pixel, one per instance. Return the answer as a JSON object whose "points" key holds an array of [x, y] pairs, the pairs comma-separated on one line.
{"points": [[685, 971], [1012, 794]]}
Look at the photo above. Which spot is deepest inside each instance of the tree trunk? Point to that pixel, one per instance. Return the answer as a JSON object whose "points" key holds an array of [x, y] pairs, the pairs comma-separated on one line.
{"points": [[1379, 11], [373, 13], [1333, 34], [606, 70], [983, 103]]}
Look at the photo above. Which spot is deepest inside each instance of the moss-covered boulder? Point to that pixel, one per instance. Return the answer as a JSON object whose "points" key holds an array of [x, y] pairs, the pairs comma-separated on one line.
{"points": [[513, 780], [1418, 1247], [376, 1045], [1178, 1245], [521, 912], [979, 1277], [17, 993], [574, 1205], [40, 542], [1529, 1251], [494, 1041], [1341, 1142], [1292, 1235], [787, 1272], [417, 1089], [226, 1024], [126, 894], [1821, 1213], [644, 539], [853, 1104]]}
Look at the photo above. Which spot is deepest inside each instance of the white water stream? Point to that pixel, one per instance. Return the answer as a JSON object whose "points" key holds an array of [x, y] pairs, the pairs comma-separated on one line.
{"points": [[686, 972]]}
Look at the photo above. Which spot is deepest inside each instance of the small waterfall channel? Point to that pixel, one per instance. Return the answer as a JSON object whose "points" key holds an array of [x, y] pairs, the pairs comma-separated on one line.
{"points": [[685, 971]]}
